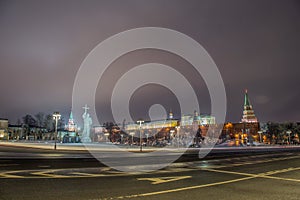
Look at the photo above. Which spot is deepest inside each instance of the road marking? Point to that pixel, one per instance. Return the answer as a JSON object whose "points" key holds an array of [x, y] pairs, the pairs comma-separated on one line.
{"points": [[183, 188], [229, 172], [10, 175], [106, 171], [84, 175], [279, 178], [249, 176], [159, 180], [247, 162], [49, 173], [261, 175]]}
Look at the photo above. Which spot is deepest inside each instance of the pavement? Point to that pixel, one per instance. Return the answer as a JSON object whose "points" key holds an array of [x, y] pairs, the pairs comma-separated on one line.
{"points": [[105, 147], [252, 177], [230, 175]]}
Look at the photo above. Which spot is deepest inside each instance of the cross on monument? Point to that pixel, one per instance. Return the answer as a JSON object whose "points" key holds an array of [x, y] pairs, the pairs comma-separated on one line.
{"points": [[85, 108]]}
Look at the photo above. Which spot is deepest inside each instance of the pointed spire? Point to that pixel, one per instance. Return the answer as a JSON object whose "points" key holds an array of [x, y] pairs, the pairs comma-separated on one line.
{"points": [[71, 116], [71, 125], [246, 99]]}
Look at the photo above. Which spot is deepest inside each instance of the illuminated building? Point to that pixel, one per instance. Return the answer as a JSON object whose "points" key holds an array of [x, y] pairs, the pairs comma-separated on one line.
{"points": [[187, 120], [156, 124], [69, 134], [71, 126], [248, 113], [245, 131], [3, 128]]}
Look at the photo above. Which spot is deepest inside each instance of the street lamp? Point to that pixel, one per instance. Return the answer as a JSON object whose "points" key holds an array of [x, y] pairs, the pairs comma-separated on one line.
{"points": [[140, 123], [289, 132], [259, 132], [147, 135], [172, 133], [132, 134], [122, 138], [56, 117], [177, 128]]}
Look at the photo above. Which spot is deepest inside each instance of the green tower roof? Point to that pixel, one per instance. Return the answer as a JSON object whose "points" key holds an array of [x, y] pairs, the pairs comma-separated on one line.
{"points": [[71, 115], [246, 100]]}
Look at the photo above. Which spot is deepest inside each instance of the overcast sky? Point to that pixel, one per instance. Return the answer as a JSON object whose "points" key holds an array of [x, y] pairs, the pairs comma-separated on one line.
{"points": [[255, 44]]}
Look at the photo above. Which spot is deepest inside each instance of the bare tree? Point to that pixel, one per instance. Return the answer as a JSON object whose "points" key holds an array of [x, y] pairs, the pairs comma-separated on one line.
{"points": [[29, 122], [49, 123], [40, 119]]}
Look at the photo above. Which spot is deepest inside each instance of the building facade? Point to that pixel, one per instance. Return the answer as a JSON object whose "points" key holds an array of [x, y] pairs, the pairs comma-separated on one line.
{"points": [[201, 120], [3, 129]]}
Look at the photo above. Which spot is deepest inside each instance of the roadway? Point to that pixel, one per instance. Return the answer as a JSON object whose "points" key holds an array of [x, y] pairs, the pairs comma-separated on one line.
{"points": [[272, 175]]}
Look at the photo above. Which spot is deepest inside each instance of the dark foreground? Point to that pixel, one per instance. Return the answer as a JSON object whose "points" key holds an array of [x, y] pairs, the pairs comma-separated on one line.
{"points": [[249, 176]]}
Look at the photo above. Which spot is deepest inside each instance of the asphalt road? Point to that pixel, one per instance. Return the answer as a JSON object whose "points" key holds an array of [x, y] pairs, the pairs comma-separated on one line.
{"points": [[243, 176]]}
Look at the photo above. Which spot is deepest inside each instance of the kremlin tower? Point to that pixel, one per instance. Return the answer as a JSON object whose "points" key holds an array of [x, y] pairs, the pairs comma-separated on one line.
{"points": [[170, 117], [248, 113], [71, 126]]}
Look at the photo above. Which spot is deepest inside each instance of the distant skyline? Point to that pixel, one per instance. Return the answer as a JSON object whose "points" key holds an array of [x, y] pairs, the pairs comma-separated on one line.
{"points": [[255, 44]]}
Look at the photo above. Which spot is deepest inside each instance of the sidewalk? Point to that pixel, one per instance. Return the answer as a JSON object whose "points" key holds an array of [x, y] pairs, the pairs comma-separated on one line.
{"points": [[45, 150], [111, 147], [82, 146]]}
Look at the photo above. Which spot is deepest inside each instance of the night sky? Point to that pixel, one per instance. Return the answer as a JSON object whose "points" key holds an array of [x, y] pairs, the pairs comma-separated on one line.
{"points": [[255, 44]]}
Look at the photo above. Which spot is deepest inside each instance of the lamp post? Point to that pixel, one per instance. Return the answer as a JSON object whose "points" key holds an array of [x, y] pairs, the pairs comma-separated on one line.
{"points": [[172, 133], [56, 117], [177, 128], [122, 138], [259, 132], [147, 135], [289, 132], [132, 134], [140, 123]]}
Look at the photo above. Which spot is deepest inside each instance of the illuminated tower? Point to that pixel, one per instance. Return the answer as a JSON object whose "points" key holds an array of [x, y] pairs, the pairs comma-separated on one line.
{"points": [[170, 114], [248, 113], [71, 125]]}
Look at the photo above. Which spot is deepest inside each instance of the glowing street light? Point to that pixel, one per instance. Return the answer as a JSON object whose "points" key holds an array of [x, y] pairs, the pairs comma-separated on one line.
{"points": [[56, 117], [140, 123]]}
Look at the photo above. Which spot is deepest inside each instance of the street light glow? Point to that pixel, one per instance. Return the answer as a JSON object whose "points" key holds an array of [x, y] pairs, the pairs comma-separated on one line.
{"points": [[56, 117]]}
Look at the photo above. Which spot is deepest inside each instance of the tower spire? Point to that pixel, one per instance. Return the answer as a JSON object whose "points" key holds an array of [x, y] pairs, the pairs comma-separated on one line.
{"points": [[71, 125], [248, 113], [71, 116], [246, 99]]}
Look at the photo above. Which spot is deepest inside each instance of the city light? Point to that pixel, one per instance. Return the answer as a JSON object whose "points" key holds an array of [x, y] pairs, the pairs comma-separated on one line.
{"points": [[56, 117]]}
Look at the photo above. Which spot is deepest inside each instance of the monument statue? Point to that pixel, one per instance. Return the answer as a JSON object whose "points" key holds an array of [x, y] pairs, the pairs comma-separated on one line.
{"points": [[87, 123]]}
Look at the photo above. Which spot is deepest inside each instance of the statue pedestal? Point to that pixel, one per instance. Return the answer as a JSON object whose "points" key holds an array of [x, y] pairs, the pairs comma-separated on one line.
{"points": [[86, 139], [87, 122]]}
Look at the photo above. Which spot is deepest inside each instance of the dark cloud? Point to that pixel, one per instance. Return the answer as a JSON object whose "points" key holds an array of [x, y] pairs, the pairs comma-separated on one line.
{"points": [[255, 44]]}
